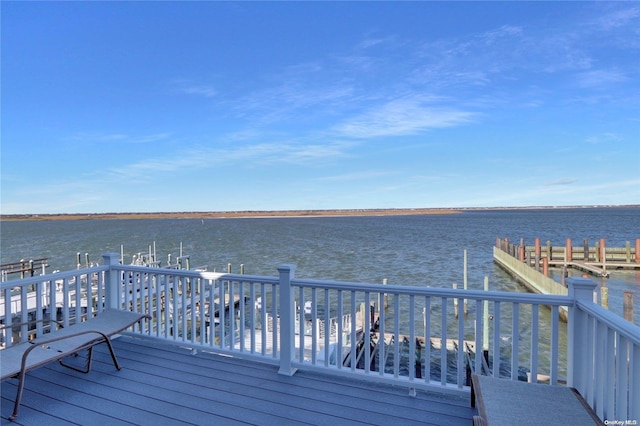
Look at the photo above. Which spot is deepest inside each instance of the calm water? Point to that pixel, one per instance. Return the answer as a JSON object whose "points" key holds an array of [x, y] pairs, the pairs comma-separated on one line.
{"points": [[411, 250]]}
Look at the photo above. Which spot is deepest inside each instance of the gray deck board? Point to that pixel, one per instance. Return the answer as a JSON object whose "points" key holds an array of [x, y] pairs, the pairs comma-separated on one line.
{"points": [[163, 385]]}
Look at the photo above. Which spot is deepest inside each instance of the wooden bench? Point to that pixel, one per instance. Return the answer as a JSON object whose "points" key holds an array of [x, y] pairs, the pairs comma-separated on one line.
{"points": [[17, 360], [509, 402]]}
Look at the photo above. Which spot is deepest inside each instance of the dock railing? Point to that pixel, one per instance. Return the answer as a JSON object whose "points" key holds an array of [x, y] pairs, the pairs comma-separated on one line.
{"points": [[406, 335]]}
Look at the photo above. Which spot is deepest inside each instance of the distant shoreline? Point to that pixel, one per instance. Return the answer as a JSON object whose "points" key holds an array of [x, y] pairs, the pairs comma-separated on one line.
{"points": [[229, 214], [279, 213]]}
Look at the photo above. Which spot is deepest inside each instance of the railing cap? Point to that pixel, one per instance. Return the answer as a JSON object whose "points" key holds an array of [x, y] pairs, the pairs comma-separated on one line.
{"points": [[581, 288], [287, 267], [111, 258]]}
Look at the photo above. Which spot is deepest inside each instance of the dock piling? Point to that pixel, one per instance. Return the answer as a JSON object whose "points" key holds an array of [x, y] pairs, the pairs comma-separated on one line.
{"points": [[385, 298], [627, 306], [455, 301], [466, 305], [604, 297], [485, 320], [603, 256]]}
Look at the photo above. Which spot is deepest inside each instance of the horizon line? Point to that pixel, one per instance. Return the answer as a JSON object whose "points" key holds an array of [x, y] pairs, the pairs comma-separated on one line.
{"points": [[299, 212]]}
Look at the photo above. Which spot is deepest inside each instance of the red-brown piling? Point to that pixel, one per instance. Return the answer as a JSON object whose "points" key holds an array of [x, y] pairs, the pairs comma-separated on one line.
{"points": [[568, 251], [537, 252], [637, 250], [603, 250]]}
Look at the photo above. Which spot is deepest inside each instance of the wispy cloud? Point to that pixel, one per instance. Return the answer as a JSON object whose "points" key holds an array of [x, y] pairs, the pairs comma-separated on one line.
{"points": [[563, 181], [472, 60], [290, 100], [85, 137], [603, 138], [98, 137], [600, 78], [619, 18], [206, 91], [355, 176], [504, 32], [233, 156], [374, 41], [400, 117]]}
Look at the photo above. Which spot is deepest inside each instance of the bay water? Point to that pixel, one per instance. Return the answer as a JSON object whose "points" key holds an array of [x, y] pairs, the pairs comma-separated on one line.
{"points": [[420, 250]]}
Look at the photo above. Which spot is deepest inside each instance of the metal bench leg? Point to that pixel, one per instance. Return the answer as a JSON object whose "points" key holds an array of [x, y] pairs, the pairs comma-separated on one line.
{"points": [[113, 355], [21, 378], [87, 366], [90, 358]]}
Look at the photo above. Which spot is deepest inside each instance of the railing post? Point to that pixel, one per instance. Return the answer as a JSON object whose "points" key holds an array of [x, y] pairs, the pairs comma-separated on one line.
{"points": [[580, 356], [111, 280], [287, 320]]}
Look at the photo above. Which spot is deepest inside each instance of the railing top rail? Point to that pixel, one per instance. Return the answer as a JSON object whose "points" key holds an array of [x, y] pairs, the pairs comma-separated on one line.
{"points": [[54, 276], [613, 321], [371, 287], [553, 300], [216, 276], [501, 296]]}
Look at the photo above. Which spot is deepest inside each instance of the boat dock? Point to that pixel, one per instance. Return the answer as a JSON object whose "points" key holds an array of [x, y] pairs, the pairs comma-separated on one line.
{"points": [[595, 260], [530, 265], [26, 268]]}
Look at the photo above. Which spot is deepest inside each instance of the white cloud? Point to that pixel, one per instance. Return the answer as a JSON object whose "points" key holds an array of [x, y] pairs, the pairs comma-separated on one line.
{"points": [[205, 91], [619, 18], [563, 181], [233, 156], [354, 176], [603, 138], [117, 137], [600, 78], [285, 102], [400, 117], [504, 32]]}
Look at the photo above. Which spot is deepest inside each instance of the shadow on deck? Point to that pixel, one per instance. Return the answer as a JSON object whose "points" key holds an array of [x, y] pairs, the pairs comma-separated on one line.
{"points": [[163, 385]]}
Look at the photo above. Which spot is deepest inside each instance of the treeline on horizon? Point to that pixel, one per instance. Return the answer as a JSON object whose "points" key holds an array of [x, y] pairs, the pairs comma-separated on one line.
{"points": [[282, 213]]}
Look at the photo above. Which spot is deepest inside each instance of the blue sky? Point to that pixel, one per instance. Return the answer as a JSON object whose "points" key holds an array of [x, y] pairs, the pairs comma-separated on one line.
{"points": [[221, 106]]}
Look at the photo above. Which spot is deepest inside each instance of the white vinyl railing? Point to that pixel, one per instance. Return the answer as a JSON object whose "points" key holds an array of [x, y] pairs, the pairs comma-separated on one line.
{"points": [[418, 340], [410, 336], [28, 305], [604, 354]]}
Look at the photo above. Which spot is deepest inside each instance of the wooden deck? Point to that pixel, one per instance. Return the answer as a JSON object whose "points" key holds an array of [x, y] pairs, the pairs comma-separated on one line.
{"points": [[161, 384]]}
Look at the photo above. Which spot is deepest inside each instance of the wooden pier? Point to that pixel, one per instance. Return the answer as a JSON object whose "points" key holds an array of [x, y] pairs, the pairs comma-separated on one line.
{"points": [[26, 268], [595, 260], [530, 265]]}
